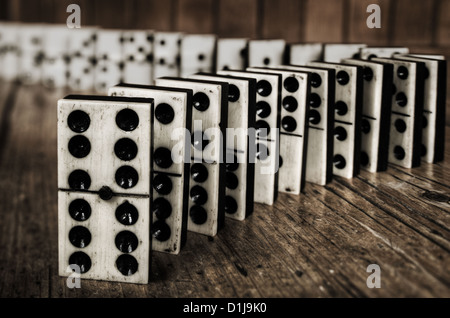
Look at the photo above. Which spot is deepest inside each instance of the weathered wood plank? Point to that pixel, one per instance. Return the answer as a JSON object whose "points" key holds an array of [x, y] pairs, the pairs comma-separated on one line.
{"points": [[196, 16], [283, 19], [443, 26], [154, 14], [413, 22], [113, 13], [238, 18], [358, 32], [324, 20]]}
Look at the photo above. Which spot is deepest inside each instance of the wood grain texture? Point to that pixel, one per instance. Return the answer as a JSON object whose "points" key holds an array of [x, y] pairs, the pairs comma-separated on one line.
{"points": [[324, 20], [113, 13], [283, 19], [443, 26], [196, 16], [358, 32], [238, 18], [153, 14], [4, 9], [413, 22], [318, 244]]}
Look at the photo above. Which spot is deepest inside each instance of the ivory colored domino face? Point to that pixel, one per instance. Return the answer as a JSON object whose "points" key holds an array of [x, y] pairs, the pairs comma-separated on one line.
{"points": [[302, 53], [104, 187], [241, 117], [433, 141], [207, 185], [407, 112], [137, 57], [266, 52], [334, 53], [319, 154], [173, 114], [368, 53], [55, 48], [376, 113], [9, 58], [31, 53], [294, 99], [232, 54], [348, 109], [81, 53], [197, 54], [167, 54], [110, 59], [267, 136]]}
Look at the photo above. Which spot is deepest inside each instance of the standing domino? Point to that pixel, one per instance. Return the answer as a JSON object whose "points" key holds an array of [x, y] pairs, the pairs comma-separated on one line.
{"points": [[207, 184], [407, 112], [266, 52], [303, 53], [348, 110], [171, 122], [240, 171], [104, 187], [197, 53], [295, 95], [267, 125], [334, 53], [166, 61], [232, 54], [137, 57], [319, 154], [367, 53], [109, 59], [376, 113], [433, 140]]}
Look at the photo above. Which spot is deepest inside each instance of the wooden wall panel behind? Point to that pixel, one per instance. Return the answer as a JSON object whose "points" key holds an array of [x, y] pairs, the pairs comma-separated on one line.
{"points": [[413, 23], [113, 13], [357, 22], [443, 18], [196, 16], [154, 14], [283, 19], [3, 9], [87, 11], [238, 18], [324, 20], [26, 10]]}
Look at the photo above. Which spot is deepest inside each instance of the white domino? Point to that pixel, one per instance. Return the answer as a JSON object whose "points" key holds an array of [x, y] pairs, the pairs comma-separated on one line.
{"points": [[266, 52], [232, 54], [109, 59], [172, 119], [376, 113], [104, 187], [368, 53], [293, 133], [197, 53], [207, 182], [302, 53], [319, 154], [335, 52], [241, 116], [55, 62], [433, 141], [138, 57], [348, 110], [267, 125], [407, 112], [166, 60], [9, 51]]}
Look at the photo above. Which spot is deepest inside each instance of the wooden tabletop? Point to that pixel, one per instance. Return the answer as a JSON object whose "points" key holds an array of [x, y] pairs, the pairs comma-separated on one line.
{"points": [[318, 244]]}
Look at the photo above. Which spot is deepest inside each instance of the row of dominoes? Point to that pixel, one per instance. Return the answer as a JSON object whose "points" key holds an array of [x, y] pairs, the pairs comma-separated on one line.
{"points": [[140, 167]]}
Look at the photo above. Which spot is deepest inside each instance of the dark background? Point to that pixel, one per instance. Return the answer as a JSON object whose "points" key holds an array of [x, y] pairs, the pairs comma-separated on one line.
{"points": [[404, 22]]}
